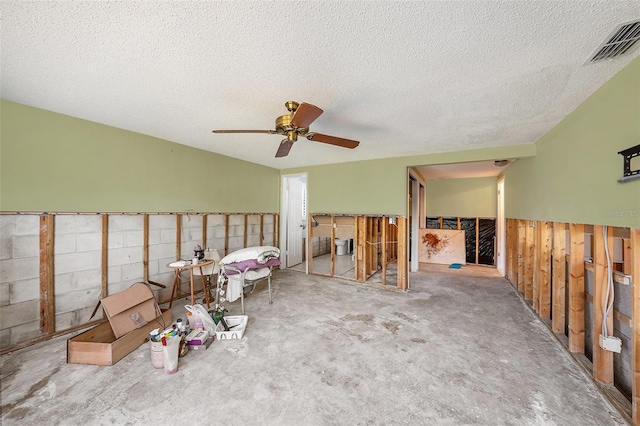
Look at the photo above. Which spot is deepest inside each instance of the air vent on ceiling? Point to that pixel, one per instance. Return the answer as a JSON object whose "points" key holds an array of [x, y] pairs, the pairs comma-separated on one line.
{"points": [[621, 40]]}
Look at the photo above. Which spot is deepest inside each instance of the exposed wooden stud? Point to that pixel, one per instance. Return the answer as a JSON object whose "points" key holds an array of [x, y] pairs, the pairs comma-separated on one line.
{"points": [[145, 246], [276, 227], [576, 288], [47, 290], [402, 254], [537, 237], [309, 247], [602, 360], [559, 277], [544, 276], [246, 230], [522, 244], [333, 246], [375, 244], [204, 232], [361, 264], [477, 240], [178, 236], [262, 230], [459, 227], [440, 222], [627, 256], [529, 262], [634, 244], [104, 291], [383, 243], [226, 234]]}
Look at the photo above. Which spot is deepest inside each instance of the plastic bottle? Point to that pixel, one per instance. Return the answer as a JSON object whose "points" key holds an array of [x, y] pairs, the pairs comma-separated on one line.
{"points": [[180, 325]]}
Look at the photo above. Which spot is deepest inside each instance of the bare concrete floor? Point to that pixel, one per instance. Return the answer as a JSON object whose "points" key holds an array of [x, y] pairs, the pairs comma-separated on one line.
{"points": [[457, 349]]}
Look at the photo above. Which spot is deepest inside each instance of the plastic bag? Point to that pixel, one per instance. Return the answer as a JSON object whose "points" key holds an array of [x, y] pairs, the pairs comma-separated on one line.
{"points": [[200, 312]]}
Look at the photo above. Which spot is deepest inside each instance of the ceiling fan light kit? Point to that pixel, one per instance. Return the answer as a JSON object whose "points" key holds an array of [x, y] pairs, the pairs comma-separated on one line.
{"points": [[295, 124]]}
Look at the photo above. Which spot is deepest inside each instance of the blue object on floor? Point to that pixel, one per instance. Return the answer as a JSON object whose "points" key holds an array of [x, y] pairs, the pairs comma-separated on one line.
{"points": [[455, 266]]}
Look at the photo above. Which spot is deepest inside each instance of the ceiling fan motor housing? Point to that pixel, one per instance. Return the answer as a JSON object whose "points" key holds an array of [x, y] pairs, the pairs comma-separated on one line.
{"points": [[284, 127]]}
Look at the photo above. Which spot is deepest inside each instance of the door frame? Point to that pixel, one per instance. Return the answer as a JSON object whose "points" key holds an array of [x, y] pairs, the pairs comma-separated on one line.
{"points": [[284, 219], [500, 228]]}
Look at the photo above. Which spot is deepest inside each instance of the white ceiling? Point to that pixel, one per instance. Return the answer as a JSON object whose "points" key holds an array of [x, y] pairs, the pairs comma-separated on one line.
{"points": [[404, 78], [475, 169]]}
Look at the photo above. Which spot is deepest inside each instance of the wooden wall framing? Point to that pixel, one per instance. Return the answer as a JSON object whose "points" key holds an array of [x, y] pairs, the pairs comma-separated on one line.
{"points": [[378, 242], [47, 312], [546, 264]]}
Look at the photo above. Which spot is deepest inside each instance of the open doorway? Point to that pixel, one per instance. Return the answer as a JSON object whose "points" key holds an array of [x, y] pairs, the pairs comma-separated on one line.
{"points": [[293, 224], [464, 206]]}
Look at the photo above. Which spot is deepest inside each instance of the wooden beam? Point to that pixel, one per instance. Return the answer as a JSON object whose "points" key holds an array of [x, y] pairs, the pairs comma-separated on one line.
{"points": [[333, 246], [576, 288], [145, 248], [104, 291], [522, 244], [262, 229], [403, 265], [246, 228], [226, 234], [602, 360], [545, 270], [374, 244], [529, 262], [360, 248], [635, 335], [178, 236], [477, 239], [537, 237], [383, 243], [204, 232], [276, 227], [559, 277], [627, 256], [47, 290]]}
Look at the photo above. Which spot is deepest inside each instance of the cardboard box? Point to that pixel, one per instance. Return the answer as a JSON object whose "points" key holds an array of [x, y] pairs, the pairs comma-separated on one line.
{"points": [[202, 347], [130, 309], [132, 315]]}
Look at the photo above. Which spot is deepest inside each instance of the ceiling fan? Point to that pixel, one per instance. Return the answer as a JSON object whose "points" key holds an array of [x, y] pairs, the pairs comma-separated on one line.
{"points": [[295, 124]]}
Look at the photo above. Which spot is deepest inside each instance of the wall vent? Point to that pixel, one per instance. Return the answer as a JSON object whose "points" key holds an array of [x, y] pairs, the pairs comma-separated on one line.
{"points": [[621, 40]]}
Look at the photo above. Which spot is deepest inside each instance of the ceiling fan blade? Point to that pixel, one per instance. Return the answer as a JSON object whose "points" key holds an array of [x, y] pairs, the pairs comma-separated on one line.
{"points": [[284, 148], [332, 140], [271, 132], [305, 115]]}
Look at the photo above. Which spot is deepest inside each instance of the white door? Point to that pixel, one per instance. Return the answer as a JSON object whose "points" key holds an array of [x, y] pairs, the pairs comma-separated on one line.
{"points": [[296, 221], [500, 229]]}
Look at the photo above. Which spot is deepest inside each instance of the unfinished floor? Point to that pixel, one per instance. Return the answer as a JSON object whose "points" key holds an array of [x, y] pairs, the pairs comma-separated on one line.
{"points": [[459, 348]]}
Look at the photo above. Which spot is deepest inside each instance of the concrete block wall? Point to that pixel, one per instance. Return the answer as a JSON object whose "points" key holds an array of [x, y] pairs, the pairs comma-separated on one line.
{"points": [[78, 261], [19, 278], [77, 268]]}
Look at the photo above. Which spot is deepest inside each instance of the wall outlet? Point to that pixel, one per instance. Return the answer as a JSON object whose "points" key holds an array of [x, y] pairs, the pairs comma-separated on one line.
{"points": [[611, 343]]}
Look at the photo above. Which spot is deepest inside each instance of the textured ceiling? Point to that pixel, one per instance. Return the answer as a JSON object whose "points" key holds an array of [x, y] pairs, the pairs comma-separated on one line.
{"points": [[404, 78]]}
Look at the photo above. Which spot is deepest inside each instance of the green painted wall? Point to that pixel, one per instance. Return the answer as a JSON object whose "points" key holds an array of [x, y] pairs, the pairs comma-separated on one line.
{"points": [[380, 186], [573, 177], [475, 197], [53, 162]]}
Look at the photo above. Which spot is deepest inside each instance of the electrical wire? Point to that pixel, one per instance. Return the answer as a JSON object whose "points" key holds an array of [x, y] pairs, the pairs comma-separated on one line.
{"points": [[609, 297]]}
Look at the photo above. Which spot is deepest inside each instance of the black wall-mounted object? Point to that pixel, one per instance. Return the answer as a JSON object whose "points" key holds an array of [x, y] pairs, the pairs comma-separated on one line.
{"points": [[628, 174]]}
